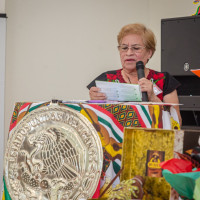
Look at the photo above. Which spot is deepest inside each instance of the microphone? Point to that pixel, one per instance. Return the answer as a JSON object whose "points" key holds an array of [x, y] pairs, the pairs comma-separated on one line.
{"points": [[140, 73]]}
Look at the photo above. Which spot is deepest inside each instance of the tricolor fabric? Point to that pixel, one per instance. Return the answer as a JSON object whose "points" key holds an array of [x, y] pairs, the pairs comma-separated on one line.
{"points": [[109, 120]]}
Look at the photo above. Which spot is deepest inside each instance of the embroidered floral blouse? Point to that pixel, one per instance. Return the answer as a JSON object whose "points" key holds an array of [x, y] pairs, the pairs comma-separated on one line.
{"points": [[163, 80]]}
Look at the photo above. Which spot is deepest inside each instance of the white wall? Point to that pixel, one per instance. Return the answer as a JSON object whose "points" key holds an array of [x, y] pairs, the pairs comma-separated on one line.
{"points": [[2, 86], [2, 92], [56, 47], [2, 6]]}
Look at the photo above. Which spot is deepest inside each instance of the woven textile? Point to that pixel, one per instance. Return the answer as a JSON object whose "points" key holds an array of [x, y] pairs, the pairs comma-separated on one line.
{"points": [[109, 121]]}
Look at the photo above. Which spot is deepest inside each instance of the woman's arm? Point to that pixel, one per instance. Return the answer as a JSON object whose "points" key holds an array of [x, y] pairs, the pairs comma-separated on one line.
{"points": [[147, 86], [173, 98]]}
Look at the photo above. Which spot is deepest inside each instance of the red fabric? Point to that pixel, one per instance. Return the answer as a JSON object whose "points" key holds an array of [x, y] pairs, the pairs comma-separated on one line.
{"points": [[111, 77], [97, 192], [177, 165], [158, 79]]}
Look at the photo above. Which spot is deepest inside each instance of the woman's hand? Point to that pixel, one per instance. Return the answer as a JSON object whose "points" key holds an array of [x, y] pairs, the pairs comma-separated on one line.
{"points": [[147, 86], [95, 94]]}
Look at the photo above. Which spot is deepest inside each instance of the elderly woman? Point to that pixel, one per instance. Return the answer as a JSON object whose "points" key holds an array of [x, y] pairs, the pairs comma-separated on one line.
{"points": [[137, 43]]}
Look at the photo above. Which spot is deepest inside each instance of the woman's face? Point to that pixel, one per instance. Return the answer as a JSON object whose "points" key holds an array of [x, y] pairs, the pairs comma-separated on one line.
{"points": [[129, 57]]}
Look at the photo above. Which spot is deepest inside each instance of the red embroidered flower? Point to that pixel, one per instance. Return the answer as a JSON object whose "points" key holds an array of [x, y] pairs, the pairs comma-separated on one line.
{"points": [[111, 77], [158, 79], [158, 76]]}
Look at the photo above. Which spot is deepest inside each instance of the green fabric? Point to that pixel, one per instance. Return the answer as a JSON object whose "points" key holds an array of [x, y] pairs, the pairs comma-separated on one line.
{"points": [[116, 167], [197, 190], [183, 183], [34, 107], [146, 114], [119, 139], [197, 12], [7, 196], [78, 108]]}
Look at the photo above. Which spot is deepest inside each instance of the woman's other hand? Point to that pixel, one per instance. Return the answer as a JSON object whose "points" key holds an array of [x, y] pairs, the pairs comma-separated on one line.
{"points": [[95, 94], [147, 86]]}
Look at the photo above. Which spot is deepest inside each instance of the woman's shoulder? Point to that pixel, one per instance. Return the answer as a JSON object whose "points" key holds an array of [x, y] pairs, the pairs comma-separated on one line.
{"points": [[153, 72], [156, 75], [164, 80], [114, 75], [105, 76]]}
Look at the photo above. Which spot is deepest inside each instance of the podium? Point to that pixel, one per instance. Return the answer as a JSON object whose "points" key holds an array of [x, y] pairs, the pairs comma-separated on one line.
{"points": [[109, 120]]}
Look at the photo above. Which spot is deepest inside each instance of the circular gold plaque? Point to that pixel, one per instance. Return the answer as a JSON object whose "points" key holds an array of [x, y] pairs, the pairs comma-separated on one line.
{"points": [[54, 152]]}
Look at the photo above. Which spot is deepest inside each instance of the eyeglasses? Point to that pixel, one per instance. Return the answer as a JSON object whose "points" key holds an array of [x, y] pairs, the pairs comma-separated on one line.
{"points": [[135, 48]]}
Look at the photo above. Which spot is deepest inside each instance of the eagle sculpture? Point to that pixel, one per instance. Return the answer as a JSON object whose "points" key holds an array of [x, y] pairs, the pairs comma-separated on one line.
{"points": [[53, 154]]}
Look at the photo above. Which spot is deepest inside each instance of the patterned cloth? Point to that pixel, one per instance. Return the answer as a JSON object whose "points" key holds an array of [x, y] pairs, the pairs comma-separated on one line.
{"points": [[109, 121], [163, 80]]}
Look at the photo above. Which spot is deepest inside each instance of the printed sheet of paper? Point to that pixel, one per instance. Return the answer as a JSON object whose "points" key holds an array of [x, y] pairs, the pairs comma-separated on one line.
{"points": [[120, 91]]}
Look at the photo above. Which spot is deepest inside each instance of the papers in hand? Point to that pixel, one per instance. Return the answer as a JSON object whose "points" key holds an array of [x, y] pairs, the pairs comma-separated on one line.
{"points": [[120, 91]]}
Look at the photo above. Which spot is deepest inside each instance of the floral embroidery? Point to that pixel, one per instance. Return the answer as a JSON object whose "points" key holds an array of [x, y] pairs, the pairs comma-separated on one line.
{"points": [[115, 77], [157, 78], [112, 78]]}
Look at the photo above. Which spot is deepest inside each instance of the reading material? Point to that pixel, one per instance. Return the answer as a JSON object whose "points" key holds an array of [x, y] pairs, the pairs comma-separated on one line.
{"points": [[120, 91]]}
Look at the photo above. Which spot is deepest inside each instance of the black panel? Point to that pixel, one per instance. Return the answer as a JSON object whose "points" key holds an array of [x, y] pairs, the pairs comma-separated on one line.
{"points": [[190, 118], [180, 44], [3, 15], [190, 103], [191, 138], [190, 85]]}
